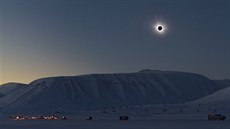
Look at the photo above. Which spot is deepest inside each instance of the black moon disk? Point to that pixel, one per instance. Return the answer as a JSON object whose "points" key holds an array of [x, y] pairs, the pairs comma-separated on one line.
{"points": [[159, 28]]}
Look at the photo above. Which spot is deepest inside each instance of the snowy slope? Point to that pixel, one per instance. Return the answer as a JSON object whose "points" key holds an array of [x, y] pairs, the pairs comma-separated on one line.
{"points": [[10, 88], [108, 90], [1, 95], [223, 83], [219, 98]]}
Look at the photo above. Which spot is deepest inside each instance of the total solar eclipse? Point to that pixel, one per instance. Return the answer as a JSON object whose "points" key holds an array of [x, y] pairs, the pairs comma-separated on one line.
{"points": [[159, 28]]}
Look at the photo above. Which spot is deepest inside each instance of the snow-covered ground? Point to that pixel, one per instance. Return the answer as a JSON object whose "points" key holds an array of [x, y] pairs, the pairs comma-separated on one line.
{"points": [[171, 116], [154, 121]]}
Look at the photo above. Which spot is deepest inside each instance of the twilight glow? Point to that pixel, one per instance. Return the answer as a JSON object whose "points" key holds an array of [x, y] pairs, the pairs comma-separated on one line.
{"points": [[44, 38]]}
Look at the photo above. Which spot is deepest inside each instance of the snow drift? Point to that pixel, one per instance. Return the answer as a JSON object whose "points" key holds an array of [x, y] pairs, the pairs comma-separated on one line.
{"points": [[87, 92]]}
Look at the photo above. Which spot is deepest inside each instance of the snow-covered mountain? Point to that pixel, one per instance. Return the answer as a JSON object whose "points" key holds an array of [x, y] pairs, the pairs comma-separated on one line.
{"points": [[9, 88], [108, 90]]}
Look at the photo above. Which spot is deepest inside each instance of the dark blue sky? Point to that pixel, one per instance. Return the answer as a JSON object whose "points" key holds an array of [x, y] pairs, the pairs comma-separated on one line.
{"points": [[40, 38]]}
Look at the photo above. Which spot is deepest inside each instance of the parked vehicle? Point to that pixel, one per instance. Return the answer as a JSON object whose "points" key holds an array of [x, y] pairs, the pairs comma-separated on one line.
{"points": [[216, 117], [90, 118], [124, 118], [64, 118], [38, 117]]}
